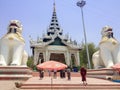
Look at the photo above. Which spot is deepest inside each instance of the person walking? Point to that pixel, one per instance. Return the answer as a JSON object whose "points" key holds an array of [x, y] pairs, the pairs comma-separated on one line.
{"points": [[68, 73], [83, 72], [49, 72], [64, 75], [41, 74], [55, 73]]}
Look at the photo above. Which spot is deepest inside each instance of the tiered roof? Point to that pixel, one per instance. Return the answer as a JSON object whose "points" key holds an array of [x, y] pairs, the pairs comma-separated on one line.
{"points": [[54, 35]]}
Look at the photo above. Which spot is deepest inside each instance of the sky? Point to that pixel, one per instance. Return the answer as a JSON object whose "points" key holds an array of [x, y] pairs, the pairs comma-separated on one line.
{"points": [[35, 16]]}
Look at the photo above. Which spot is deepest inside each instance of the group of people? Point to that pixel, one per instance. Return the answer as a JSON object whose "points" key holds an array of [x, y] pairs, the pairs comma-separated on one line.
{"points": [[62, 73], [83, 73]]}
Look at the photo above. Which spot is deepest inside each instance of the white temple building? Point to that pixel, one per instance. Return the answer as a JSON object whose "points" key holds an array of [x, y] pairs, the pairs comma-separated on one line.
{"points": [[55, 46]]}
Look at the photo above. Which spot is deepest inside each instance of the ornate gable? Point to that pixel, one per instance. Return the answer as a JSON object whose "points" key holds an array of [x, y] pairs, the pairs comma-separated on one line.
{"points": [[57, 41]]}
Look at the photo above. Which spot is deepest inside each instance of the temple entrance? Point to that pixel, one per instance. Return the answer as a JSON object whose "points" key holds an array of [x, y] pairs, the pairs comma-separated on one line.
{"points": [[58, 57], [54, 45]]}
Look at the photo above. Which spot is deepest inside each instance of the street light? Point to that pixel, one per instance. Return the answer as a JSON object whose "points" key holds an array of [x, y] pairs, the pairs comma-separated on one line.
{"points": [[81, 4]]}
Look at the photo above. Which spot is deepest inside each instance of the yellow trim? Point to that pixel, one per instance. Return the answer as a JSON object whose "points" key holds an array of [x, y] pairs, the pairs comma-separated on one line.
{"points": [[106, 39], [17, 35]]}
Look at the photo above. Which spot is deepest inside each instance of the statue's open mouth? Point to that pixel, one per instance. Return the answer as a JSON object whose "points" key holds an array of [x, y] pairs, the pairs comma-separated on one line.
{"points": [[13, 24]]}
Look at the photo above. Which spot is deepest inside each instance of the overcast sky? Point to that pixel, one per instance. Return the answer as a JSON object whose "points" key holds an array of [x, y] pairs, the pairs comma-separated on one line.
{"points": [[35, 16]]}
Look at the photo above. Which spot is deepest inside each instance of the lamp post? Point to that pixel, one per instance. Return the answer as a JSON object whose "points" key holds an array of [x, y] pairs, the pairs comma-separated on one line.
{"points": [[81, 4]]}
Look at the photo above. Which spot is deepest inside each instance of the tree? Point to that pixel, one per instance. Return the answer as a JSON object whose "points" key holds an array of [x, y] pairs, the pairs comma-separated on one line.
{"points": [[83, 54], [30, 62]]}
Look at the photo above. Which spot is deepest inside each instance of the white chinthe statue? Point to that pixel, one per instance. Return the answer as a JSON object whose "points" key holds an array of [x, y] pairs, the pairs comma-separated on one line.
{"points": [[109, 50], [12, 46]]}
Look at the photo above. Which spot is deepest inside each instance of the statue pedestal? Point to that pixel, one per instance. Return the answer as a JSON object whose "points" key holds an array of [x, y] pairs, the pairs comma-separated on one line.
{"points": [[101, 73], [15, 73]]}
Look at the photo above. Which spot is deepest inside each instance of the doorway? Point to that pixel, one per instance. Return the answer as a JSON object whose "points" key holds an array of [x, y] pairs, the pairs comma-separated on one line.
{"points": [[58, 57]]}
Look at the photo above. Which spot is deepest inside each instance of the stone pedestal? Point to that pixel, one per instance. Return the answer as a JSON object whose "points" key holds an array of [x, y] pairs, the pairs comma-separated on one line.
{"points": [[15, 73], [104, 73]]}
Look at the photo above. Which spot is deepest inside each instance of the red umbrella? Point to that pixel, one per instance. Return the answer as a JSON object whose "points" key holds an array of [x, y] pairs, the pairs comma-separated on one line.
{"points": [[52, 65], [116, 66]]}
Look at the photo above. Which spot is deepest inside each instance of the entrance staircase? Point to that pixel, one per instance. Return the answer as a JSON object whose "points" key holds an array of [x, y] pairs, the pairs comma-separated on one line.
{"points": [[49, 83]]}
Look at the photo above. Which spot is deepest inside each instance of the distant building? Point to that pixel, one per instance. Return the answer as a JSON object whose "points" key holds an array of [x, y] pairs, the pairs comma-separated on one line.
{"points": [[55, 46]]}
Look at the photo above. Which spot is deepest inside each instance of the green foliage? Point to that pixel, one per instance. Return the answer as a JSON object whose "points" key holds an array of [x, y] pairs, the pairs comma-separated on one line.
{"points": [[83, 54], [30, 62]]}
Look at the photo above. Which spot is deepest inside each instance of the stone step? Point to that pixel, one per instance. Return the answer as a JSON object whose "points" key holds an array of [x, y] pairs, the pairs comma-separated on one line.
{"points": [[15, 77], [100, 71], [15, 70], [70, 86], [15, 73]]}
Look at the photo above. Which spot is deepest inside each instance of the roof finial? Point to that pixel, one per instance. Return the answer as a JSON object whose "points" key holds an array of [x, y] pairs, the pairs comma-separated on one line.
{"points": [[54, 1], [54, 5]]}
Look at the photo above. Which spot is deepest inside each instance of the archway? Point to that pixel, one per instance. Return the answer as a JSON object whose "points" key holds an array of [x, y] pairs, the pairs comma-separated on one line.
{"points": [[73, 60], [40, 59]]}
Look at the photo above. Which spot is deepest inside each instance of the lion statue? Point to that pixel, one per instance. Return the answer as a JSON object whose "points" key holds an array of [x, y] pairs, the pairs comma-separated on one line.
{"points": [[12, 46], [109, 50]]}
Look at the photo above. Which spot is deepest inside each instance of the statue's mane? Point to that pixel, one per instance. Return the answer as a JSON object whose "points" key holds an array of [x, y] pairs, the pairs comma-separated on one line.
{"points": [[18, 34], [106, 39]]}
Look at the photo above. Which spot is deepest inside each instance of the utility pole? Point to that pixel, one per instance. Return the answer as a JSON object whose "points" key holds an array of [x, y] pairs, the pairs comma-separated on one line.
{"points": [[81, 4]]}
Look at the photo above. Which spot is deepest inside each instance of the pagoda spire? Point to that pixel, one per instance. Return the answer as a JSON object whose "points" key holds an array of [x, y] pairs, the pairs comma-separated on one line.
{"points": [[54, 6], [54, 27]]}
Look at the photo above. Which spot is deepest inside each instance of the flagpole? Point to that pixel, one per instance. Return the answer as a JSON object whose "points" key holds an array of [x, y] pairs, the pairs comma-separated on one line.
{"points": [[81, 4]]}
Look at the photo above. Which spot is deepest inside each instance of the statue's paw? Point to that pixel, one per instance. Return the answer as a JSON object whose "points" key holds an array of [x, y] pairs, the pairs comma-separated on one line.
{"points": [[24, 65], [2, 64], [13, 64]]}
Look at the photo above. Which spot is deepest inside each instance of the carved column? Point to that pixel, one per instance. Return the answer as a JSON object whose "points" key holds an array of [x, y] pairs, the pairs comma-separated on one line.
{"points": [[78, 58], [68, 58], [35, 57], [46, 56]]}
